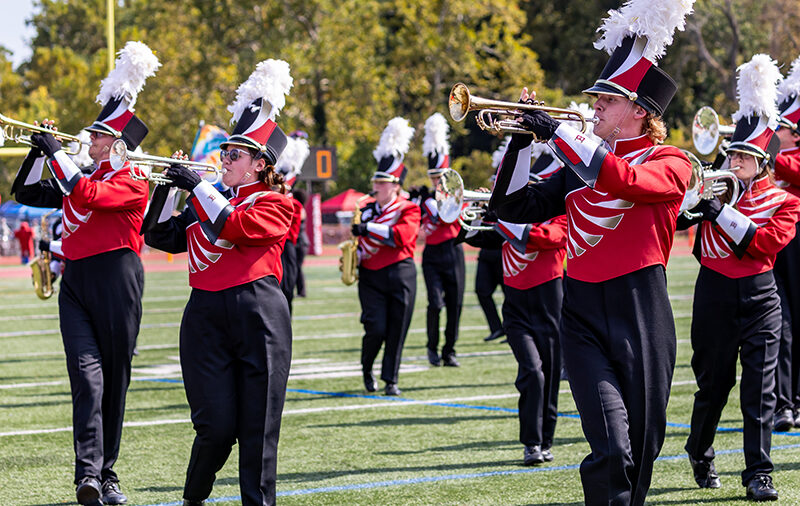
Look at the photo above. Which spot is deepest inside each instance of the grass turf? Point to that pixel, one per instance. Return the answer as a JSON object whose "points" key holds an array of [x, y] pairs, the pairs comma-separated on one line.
{"points": [[457, 445]]}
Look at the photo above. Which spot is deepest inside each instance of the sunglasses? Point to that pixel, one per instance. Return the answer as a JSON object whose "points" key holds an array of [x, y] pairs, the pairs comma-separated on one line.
{"points": [[234, 154]]}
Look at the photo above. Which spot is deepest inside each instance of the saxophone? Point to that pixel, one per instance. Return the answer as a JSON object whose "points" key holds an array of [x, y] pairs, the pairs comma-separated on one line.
{"points": [[40, 266], [348, 262]]}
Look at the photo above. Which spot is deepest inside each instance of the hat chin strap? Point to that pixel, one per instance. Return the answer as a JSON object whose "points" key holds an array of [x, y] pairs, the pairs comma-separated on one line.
{"points": [[614, 133]]}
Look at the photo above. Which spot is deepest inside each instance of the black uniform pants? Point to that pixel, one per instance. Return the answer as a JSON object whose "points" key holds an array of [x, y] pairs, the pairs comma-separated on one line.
{"points": [[236, 349], [531, 323], [443, 269], [387, 298], [488, 276], [787, 276], [289, 279], [100, 309], [618, 344], [733, 317]]}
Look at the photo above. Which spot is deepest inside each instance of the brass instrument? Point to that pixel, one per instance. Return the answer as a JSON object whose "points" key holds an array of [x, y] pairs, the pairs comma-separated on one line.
{"points": [[41, 275], [498, 116], [707, 184], [450, 196], [706, 130], [120, 154], [13, 130], [348, 262]]}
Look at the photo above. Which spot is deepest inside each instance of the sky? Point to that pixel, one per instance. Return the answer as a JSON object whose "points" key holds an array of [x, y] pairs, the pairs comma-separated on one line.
{"points": [[14, 34]]}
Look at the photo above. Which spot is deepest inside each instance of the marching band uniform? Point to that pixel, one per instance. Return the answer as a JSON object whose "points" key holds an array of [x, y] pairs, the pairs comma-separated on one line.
{"points": [[289, 165], [488, 276], [442, 259], [736, 307], [617, 329], [236, 335], [100, 306], [387, 276], [533, 266], [787, 272]]}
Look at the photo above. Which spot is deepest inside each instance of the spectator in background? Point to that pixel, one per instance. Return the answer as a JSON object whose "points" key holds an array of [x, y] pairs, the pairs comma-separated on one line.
{"points": [[24, 235]]}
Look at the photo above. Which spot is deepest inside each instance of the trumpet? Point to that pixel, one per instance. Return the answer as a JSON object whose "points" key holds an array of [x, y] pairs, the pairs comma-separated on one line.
{"points": [[450, 197], [706, 130], [706, 185], [15, 131], [120, 154], [498, 116]]}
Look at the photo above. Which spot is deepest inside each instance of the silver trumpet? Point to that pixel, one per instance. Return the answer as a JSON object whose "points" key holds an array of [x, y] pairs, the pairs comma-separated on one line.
{"points": [[450, 197], [707, 130], [120, 154], [706, 185]]}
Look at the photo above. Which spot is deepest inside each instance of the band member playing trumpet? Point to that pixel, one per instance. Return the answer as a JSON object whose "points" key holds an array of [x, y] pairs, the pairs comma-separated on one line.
{"points": [[236, 335], [620, 197], [442, 259], [533, 267], [787, 270], [736, 308], [100, 301], [387, 276]]}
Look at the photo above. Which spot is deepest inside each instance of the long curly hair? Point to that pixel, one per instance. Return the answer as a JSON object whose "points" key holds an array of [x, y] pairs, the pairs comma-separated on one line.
{"points": [[269, 175], [655, 128]]}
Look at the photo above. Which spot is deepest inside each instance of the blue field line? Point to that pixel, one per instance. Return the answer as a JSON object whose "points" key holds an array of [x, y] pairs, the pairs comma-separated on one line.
{"points": [[448, 477]]}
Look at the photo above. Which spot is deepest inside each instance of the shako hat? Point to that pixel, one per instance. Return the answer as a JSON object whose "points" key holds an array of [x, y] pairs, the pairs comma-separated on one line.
{"points": [[291, 161], [258, 102], [789, 98], [118, 91], [391, 150], [636, 36], [435, 145], [757, 117]]}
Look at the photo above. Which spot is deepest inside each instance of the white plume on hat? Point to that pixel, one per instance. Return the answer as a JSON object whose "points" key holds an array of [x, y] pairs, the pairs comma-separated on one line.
{"points": [[756, 88], [499, 153], [656, 20], [293, 157], [790, 86], [395, 139], [271, 81], [135, 63], [435, 139]]}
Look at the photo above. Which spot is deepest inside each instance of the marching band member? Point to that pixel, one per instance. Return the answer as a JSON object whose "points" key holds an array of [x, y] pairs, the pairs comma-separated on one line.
{"points": [[442, 259], [736, 308], [289, 165], [387, 276], [533, 266], [621, 198], [787, 272], [100, 301], [236, 335]]}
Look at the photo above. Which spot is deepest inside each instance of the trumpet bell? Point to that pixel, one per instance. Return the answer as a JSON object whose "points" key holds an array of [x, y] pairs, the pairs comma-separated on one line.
{"points": [[449, 196], [705, 130], [459, 101]]}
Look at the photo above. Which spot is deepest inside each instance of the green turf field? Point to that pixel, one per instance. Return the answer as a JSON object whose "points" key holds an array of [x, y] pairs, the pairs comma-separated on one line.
{"points": [[452, 438]]}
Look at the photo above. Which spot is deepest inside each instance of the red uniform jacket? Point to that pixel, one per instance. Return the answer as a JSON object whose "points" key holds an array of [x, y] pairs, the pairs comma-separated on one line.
{"points": [[533, 254], [392, 233], [767, 225], [787, 170], [297, 216], [250, 242], [433, 228], [103, 213]]}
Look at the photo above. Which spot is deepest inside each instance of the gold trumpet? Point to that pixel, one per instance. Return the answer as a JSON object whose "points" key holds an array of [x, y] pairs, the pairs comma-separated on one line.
{"points": [[14, 131], [120, 154], [450, 197], [498, 116]]}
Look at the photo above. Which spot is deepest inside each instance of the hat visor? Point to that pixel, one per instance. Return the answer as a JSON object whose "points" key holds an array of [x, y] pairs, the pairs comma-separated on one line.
{"points": [[604, 89], [437, 172], [101, 129], [384, 177], [746, 148]]}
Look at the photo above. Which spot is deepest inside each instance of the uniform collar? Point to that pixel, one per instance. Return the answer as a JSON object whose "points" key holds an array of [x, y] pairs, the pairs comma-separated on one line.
{"points": [[793, 150], [759, 185], [380, 209], [622, 147], [250, 188]]}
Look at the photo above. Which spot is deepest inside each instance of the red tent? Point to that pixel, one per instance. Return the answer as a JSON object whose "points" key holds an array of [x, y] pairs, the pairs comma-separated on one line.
{"points": [[345, 201]]}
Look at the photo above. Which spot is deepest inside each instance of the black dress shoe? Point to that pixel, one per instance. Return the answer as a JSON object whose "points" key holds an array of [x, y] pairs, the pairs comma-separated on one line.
{"points": [[391, 389], [433, 358], [187, 502], [369, 382], [533, 455], [494, 335], [112, 494], [88, 491], [760, 489], [547, 455], [704, 473], [783, 421], [450, 361], [796, 418]]}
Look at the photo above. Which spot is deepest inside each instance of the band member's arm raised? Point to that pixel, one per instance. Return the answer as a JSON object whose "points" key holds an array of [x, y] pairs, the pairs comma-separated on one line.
{"points": [[28, 187], [744, 236]]}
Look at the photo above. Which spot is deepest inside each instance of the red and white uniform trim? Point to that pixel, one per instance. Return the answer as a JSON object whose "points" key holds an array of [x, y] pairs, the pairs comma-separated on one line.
{"points": [[433, 228], [533, 254], [787, 170], [392, 235]]}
